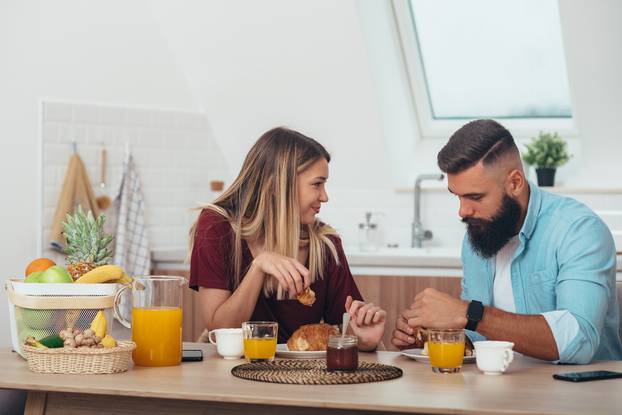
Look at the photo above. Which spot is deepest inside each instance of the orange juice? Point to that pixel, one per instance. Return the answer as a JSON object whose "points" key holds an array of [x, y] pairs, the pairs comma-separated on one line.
{"points": [[157, 334], [259, 349], [446, 355]]}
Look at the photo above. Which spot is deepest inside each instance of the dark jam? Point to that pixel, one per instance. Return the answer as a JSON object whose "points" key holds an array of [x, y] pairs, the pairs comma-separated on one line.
{"points": [[342, 354]]}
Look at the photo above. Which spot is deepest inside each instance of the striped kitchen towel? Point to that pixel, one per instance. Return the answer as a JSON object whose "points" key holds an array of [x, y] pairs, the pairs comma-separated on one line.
{"points": [[132, 242]]}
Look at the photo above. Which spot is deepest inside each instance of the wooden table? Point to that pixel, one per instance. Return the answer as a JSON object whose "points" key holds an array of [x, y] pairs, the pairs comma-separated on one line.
{"points": [[208, 387]]}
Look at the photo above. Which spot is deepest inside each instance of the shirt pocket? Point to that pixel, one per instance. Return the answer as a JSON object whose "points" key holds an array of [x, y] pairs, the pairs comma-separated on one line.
{"points": [[540, 292]]}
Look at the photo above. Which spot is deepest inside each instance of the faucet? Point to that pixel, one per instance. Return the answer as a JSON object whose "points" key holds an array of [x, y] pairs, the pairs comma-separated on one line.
{"points": [[418, 233]]}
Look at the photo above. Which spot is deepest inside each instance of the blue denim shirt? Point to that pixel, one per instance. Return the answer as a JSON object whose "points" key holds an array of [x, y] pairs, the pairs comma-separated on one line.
{"points": [[565, 261]]}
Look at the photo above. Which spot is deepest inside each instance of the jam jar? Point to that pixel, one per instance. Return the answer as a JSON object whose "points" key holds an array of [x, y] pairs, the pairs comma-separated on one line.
{"points": [[342, 353]]}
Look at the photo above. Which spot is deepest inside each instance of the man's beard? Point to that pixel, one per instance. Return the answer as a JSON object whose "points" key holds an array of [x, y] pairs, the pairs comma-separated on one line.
{"points": [[487, 237]]}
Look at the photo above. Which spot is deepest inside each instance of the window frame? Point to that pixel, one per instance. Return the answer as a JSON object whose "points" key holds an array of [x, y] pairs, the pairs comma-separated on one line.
{"points": [[433, 128]]}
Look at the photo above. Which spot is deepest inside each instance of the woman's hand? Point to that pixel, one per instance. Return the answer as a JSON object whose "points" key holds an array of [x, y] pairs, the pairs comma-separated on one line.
{"points": [[292, 276], [366, 322]]}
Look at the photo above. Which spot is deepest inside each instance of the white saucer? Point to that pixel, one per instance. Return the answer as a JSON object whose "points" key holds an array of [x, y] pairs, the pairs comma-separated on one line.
{"points": [[418, 355], [283, 351]]}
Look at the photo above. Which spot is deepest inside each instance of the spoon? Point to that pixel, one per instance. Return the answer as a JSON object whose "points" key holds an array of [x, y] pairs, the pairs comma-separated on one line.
{"points": [[344, 325]]}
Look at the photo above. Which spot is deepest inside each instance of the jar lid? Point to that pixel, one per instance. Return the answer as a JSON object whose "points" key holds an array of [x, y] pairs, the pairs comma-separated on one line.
{"points": [[339, 341]]}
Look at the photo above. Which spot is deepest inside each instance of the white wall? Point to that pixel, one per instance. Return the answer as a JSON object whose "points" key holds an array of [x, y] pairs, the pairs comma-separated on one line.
{"points": [[253, 65], [593, 42], [333, 70], [257, 65], [174, 155], [108, 52]]}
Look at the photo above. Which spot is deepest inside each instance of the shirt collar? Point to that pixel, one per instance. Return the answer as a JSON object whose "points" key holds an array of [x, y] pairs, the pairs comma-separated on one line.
{"points": [[533, 210]]}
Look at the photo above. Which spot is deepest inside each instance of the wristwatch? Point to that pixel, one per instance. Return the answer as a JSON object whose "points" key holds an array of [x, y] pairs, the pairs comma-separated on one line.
{"points": [[474, 314]]}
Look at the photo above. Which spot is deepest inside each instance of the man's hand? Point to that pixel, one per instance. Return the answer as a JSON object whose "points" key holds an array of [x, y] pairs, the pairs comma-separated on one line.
{"points": [[438, 310], [403, 335]]}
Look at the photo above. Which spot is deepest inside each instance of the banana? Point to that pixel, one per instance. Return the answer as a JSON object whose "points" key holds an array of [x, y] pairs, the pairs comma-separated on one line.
{"points": [[101, 274], [108, 341], [125, 279], [99, 325], [31, 341]]}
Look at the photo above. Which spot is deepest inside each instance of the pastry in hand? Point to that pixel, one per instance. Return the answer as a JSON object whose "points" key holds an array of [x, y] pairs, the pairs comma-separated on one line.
{"points": [[311, 337], [420, 337], [468, 348], [307, 297]]}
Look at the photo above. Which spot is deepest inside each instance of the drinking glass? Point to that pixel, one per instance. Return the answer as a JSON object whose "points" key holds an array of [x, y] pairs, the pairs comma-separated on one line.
{"points": [[446, 350], [260, 339]]}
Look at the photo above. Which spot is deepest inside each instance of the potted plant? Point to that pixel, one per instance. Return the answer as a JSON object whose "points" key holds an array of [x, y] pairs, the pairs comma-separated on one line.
{"points": [[547, 152]]}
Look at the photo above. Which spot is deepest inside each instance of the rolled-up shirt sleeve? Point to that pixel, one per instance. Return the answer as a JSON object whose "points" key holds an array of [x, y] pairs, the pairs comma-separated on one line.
{"points": [[585, 282], [563, 326]]}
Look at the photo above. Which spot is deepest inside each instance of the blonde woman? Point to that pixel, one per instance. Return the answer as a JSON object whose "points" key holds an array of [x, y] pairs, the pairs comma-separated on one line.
{"points": [[259, 245]]}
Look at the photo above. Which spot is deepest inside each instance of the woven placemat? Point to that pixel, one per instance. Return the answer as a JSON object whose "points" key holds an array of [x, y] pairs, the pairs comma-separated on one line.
{"points": [[313, 372]]}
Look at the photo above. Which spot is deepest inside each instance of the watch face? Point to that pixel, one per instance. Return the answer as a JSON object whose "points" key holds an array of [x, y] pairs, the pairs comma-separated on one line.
{"points": [[474, 315]]}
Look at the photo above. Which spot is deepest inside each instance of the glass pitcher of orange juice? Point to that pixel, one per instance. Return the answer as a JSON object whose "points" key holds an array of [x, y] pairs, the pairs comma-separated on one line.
{"points": [[156, 319]]}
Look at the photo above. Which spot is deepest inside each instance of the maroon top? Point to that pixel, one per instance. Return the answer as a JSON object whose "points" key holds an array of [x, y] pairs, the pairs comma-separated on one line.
{"points": [[211, 266]]}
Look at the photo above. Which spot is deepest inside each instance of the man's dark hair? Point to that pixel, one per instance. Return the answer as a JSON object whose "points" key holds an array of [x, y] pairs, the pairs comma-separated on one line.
{"points": [[485, 140]]}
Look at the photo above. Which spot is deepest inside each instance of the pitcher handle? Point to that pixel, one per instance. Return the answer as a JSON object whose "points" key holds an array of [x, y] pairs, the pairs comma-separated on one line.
{"points": [[117, 314]]}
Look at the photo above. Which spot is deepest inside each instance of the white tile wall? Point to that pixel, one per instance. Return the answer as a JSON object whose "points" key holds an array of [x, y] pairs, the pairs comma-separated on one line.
{"points": [[174, 152], [177, 157], [439, 213]]}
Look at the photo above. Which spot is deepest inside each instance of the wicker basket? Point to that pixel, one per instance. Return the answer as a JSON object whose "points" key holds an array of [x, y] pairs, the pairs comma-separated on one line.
{"points": [[40, 310], [81, 360]]}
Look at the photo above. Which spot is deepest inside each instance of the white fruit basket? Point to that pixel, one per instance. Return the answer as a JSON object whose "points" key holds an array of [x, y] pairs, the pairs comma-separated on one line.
{"points": [[40, 310]]}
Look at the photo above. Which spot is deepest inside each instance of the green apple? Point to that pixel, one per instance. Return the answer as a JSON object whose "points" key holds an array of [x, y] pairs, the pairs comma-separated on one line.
{"points": [[55, 274], [33, 277], [37, 319]]}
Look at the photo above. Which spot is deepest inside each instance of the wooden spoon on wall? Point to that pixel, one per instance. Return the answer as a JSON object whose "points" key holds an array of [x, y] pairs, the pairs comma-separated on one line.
{"points": [[103, 200]]}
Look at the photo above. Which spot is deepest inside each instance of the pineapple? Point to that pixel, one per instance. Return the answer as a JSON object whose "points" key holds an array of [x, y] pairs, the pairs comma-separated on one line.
{"points": [[87, 245]]}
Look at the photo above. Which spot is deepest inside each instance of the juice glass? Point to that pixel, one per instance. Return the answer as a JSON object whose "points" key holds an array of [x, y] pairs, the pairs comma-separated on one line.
{"points": [[260, 340], [156, 319], [446, 350]]}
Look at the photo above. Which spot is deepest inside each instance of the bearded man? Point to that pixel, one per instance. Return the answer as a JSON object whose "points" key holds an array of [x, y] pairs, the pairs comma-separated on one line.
{"points": [[539, 269]]}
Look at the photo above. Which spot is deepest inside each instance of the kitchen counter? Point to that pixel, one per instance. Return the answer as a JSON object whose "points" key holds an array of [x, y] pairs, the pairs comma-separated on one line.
{"points": [[208, 386], [392, 257], [434, 261]]}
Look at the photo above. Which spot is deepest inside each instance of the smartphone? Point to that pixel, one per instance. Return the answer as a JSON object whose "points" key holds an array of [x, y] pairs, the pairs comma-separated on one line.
{"points": [[191, 355], [586, 376]]}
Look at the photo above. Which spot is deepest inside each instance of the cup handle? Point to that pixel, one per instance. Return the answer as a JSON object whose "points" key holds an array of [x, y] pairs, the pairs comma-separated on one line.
{"points": [[117, 313], [209, 336], [507, 358]]}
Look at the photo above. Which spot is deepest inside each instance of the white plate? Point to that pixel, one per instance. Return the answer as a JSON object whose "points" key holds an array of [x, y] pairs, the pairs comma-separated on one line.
{"points": [[283, 351], [418, 355]]}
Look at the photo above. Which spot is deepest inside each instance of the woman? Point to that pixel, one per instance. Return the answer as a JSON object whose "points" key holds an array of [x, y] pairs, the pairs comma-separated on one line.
{"points": [[259, 245]]}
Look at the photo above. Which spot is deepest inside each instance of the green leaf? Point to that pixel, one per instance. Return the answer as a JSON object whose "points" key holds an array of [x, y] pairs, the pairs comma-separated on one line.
{"points": [[546, 150]]}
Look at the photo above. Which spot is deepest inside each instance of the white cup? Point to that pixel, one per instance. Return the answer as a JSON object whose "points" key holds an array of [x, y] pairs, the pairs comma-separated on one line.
{"points": [[493, 357], [229, 342]]}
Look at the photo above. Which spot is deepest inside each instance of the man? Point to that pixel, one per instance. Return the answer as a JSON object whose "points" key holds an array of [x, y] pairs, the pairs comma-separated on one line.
{"points": [[539, 269]]}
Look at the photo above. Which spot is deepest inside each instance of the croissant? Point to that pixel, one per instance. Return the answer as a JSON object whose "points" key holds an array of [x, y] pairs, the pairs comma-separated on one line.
{"points": [[420, 337], [307, 297], [311, 337]]}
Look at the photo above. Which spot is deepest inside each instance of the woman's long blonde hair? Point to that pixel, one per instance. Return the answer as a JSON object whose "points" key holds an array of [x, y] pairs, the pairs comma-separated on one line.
{"points": [[262, 203]]}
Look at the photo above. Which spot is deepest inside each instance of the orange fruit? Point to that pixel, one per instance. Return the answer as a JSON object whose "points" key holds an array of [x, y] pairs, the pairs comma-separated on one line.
{"points": [[39, 264]]}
